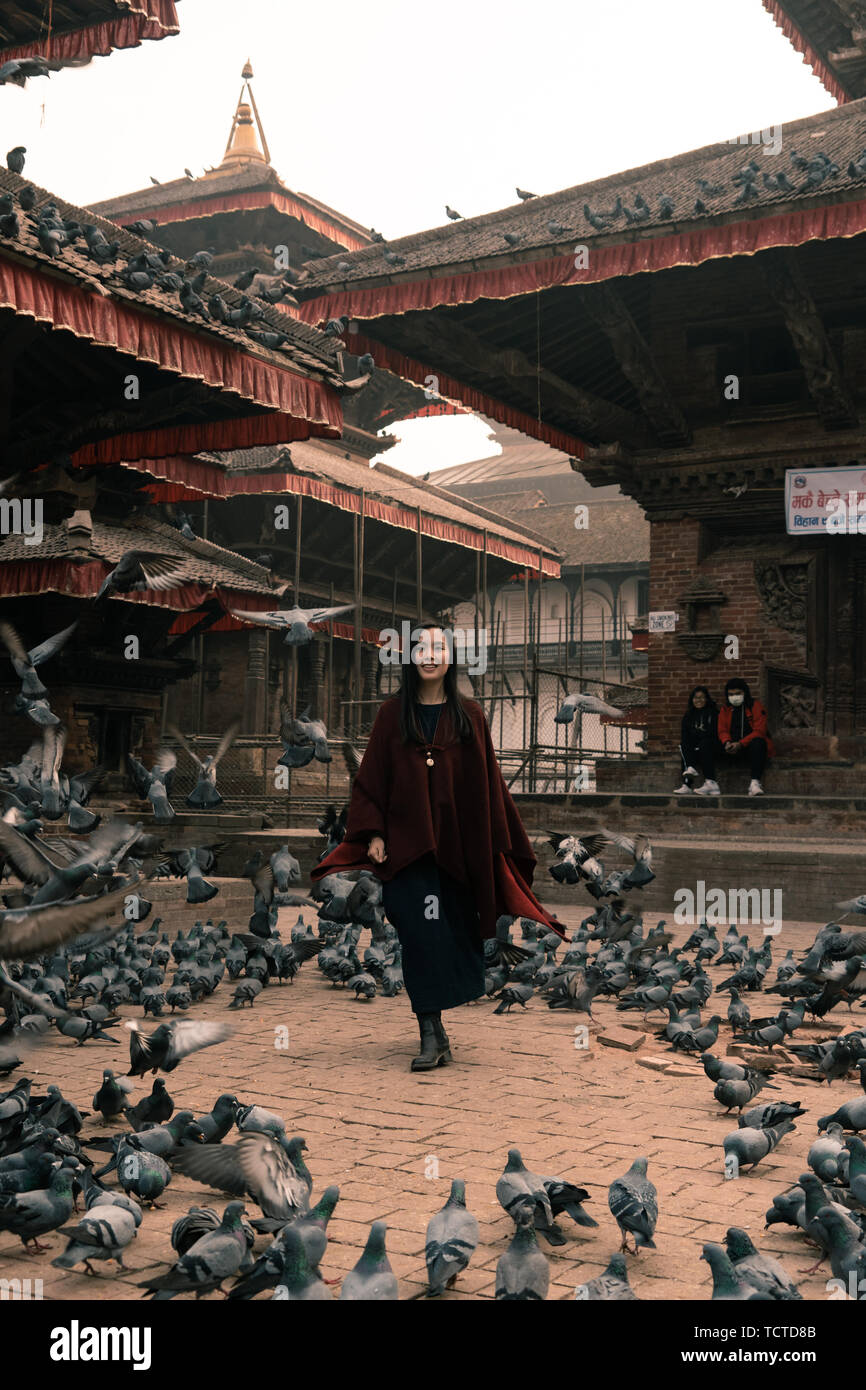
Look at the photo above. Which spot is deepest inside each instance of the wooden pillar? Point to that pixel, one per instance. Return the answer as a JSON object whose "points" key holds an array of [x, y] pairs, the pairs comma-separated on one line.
{"points": [[315, 689], [256, 683]]}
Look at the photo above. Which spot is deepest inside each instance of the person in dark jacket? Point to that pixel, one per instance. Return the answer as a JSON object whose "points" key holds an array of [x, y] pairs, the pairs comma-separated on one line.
{"points": [[743, 731], [699, 743], [431, 817]]}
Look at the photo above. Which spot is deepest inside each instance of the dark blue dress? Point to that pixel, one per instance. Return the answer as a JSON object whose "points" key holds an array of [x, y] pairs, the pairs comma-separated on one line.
{"points": [[443, 956]]}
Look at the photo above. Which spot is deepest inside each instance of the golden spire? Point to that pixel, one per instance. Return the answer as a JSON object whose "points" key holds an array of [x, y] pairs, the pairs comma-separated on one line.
{"points": [[243, 145]]}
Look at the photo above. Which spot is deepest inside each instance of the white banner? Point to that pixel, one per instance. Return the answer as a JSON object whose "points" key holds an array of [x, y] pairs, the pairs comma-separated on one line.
{"points": [[825, 499]]}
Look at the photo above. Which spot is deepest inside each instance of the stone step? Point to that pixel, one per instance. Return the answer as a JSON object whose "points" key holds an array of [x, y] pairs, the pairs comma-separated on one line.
{"points": [[828, 819]]}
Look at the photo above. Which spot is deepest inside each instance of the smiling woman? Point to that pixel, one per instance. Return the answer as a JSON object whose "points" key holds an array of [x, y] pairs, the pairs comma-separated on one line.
{"points": [[432, 818]]}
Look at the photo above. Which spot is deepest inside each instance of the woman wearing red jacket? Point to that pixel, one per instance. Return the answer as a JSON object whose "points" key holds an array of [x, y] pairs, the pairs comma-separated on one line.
{"points": [[743, 730], [431, 817]]}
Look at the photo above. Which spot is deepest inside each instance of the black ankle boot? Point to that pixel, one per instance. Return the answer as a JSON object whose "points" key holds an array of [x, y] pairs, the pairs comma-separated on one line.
{"points": [[442, 1037], [433, 1052]]}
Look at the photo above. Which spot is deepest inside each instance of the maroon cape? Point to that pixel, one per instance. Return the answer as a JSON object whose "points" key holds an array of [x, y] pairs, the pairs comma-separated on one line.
{"points": [[460, 808]]}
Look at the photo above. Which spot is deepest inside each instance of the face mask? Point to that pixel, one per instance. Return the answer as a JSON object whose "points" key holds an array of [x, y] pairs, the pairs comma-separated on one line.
{"points": [[736, 698]]}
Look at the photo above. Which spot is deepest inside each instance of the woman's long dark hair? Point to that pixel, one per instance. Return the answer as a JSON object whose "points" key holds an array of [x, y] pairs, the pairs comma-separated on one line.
{"points": [[710, 705], [410, 729]]}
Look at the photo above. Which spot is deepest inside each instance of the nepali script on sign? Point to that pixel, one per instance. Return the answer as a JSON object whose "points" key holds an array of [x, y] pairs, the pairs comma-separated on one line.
{"points": [[825, 499]]}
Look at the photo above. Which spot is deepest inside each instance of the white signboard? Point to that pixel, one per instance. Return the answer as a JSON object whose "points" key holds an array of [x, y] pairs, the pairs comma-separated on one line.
{"points": [[663, 622], [831, 500]]}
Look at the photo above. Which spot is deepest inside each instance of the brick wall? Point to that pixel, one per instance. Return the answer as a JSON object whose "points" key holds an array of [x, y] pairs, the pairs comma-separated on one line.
{"points": [[674, 566]]}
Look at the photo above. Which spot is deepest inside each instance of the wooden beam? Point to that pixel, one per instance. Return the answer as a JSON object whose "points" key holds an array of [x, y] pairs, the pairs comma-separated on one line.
{"points": [[787, 284], [448, 342], [637, 363], [156, 408]]}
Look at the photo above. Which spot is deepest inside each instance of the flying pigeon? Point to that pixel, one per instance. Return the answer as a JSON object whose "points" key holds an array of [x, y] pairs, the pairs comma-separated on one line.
{"points": [[587, 704], [294, 621], [138, 570], [204, 795], [170, 1043]]}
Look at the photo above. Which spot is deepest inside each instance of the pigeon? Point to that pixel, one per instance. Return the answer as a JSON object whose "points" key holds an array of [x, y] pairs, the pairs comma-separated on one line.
{"points": [[748, 1146], [111, 1098], [828, 1156], [523, 195], [156, 1139], [18, 71], [256, 1165], [29, 1215], [452, 215], [523, 1272], [30, 931], [640, 849], [733, 1092], [103, 1234], [154, 1109], [335, 328], [633, 1201], [300, 1280], [772, 1113], [610, 1287], [842, 1240], [143, 227], [766, 1275], [312, 1230], [728, 1286], [215, 1256], [517, 1186], [393, 258], [204, 795], [170, 1043], [513, 238], [452, 1236], [513, 994], [15, 159], [294, 621], [138, 570], [145, 1174], [303, 739], [372, 1278], [217, 1123], [25, 663], [556, 229], [587, 704], [851, 1115]]}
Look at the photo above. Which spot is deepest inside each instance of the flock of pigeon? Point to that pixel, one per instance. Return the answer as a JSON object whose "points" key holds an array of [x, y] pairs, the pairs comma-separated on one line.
{"points": [[66, 969], [155, 268]]}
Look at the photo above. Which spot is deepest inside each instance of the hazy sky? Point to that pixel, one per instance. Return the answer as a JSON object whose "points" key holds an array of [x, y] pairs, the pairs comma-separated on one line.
{"points": [[387, 109]]}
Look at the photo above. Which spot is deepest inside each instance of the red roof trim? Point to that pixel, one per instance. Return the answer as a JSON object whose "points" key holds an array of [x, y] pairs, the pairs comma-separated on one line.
{"points": [[147, 19], [607, 262], [810, 56], [240, 202], [393, 514], [175, 348]]}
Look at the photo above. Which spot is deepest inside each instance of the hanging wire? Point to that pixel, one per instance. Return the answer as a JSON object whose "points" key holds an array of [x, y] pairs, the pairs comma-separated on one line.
{"points": [[538, 352]]}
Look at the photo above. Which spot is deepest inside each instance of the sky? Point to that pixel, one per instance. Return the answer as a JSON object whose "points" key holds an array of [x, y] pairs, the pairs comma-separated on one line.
{"points": [[388, 110]]}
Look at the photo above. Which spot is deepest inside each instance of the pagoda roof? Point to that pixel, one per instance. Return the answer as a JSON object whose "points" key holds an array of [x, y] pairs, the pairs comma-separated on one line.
{"points": [[233, 187], [75, 556], [82, 28], [299, 382], [831, 39], [439, 312], [458, 248]]}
